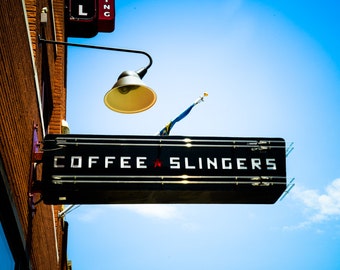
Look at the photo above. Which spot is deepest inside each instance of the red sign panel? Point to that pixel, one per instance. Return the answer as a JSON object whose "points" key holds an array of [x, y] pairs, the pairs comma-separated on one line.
{"points": [[85, 169], [106, 15]]}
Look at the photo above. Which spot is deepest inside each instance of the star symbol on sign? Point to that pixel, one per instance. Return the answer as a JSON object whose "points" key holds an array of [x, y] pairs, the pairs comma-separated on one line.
{"points": [[157, 163]]}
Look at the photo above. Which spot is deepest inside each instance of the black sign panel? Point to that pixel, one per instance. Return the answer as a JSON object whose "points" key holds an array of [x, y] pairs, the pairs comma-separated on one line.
{"points": [[82, 10], [93, 169], [85, 18]]}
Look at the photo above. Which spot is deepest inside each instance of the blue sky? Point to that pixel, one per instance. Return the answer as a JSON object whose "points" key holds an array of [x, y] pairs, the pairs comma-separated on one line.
{"points": [[272, 69]]}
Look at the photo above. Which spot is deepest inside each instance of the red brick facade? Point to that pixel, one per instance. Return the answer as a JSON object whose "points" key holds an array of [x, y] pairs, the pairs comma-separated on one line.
{"points": [[27, 78]]}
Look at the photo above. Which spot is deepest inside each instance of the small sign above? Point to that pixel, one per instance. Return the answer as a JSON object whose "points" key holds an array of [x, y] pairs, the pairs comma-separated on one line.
{"points": [[82, 10], [85, 18], [91, 169], [106, 15]]}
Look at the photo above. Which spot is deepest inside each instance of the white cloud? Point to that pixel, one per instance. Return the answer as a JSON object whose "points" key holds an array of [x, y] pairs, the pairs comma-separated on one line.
{"points": [[90, 214], [163, 212], [160, 211], [319, 206]]}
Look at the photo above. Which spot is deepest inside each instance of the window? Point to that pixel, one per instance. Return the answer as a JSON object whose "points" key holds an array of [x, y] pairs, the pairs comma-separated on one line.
{"points": [[12, 251], [6, 257], [46, 94]]}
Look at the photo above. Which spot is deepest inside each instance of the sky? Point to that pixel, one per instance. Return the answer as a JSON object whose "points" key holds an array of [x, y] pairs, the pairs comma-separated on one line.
{"points": [[272, 69]]}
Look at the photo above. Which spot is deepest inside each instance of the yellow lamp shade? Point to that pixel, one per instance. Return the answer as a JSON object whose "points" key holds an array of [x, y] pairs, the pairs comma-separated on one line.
{"points": [[130, 94]]}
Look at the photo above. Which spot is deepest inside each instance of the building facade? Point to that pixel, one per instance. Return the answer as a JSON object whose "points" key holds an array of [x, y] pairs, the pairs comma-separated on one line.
{"points": [[32, 104]]}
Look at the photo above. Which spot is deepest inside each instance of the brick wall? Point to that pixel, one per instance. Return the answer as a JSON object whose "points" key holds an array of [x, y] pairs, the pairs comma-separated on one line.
{"points": [[19, 110]]}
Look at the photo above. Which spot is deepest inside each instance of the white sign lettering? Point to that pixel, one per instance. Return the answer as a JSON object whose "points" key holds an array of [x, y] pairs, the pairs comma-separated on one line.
{"points": [[176, 163], [81, 11]]}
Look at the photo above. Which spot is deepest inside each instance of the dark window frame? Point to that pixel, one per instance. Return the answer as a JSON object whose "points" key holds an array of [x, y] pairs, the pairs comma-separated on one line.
{"points": [[46, 90], [11, 225]]}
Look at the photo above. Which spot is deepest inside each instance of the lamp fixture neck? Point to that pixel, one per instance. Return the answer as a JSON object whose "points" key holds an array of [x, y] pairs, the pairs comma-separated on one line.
{"points": [[41, 40]]}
